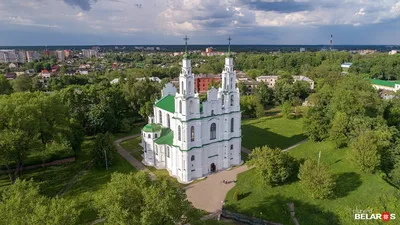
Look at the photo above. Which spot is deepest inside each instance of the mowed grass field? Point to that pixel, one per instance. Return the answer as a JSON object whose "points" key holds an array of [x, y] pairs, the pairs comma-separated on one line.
{"points": [[274, 131], [355, 190]]}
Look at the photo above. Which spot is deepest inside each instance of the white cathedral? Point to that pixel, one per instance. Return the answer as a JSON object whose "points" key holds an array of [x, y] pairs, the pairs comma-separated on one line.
{"points": [[190, 138]]}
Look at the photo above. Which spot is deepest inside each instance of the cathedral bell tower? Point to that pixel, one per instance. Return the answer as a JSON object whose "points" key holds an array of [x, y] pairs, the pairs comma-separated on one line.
{"points": [[228, 91]]}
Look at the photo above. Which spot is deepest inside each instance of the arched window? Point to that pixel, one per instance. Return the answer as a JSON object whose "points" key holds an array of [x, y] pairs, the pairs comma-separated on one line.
{"points": [[213, 131], [231, 100], [223, 100], [160, 115], [231, 147], [182, 88], [180, 106], [179, 133], [231, 83], [191, 107], [226, 85], [149, 136], [212, 112], [168, 152], [155, 135], [232, 124], [190, 88], [192, 133], [168, 121], [192, 158]]}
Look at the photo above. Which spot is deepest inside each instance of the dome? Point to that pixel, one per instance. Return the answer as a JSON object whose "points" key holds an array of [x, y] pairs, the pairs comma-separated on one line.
{"points": [[152, 128]]}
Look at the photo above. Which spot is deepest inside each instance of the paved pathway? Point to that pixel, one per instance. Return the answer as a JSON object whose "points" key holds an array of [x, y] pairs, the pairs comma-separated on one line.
{"points": [[210, 193], [294, 146], [134, 162]]}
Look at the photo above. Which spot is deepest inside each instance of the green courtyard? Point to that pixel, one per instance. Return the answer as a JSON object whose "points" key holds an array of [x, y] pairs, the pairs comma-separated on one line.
{"points": [[355, 190]]}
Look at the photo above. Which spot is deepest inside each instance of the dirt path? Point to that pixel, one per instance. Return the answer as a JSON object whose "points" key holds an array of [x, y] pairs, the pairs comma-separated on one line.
{"points": [[295, 145]]}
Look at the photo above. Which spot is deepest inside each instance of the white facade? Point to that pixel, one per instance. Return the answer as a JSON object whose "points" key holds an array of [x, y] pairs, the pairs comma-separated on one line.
{"points": [[192, 139]]}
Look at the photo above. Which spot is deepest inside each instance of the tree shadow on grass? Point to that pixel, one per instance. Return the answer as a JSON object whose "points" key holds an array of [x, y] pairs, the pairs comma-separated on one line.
{"points": [[275, 209], [254, 136], [243, 195], [346, 183]]}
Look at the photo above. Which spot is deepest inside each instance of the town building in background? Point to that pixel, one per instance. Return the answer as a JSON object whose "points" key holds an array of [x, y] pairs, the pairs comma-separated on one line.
{"points": [[31, 56], [270, 80], [345, 67], [393, 52], [366, 51], [47, 53], [385, 85], [10, 76], [12, 56], [89, 53], [67, 53], [60, 55], [210, 52], [202, 81], [247, 81]]}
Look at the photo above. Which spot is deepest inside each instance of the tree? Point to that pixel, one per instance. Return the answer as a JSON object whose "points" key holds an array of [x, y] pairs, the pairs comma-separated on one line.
{"points": [[138, 93], [339, 130], [22, 83], [243, 89], [365, 152], [316, 124], [272, 165], [21, 203], [135, 199], [104, 150], [38, 67], [31, 123], [395, 174], [47, 66], [283, 89], [5, 86], [316, 178], [251, 106], [287, 110], [265, 94]]}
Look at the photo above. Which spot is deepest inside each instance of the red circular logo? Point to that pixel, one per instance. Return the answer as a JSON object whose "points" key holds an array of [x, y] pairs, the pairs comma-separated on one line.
{"points": [[385, 216]]}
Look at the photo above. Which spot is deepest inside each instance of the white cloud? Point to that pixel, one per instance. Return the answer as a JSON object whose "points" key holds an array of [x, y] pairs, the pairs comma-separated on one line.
{"points": [[202, 18], [360, 13]]}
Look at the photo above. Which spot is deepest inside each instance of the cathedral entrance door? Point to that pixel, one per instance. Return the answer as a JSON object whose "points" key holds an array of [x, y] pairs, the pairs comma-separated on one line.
{"points": [[213, 168]]}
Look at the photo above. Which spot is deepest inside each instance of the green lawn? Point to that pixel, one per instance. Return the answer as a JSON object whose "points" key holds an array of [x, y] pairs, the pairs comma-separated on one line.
{"points": [[276, 132], [355, 190]]}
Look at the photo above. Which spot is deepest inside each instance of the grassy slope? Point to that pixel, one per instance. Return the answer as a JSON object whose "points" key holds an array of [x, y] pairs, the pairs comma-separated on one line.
{"points": [[276, 132], [355, 190]]}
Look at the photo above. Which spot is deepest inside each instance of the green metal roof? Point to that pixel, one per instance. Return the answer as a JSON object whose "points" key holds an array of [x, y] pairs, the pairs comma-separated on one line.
{"points": [[151, 127], [384, 83], [166, 138], [167, 103]]}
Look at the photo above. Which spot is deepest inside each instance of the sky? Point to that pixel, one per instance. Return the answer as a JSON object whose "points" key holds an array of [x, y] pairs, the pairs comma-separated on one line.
{"points": [[164, 22]]}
